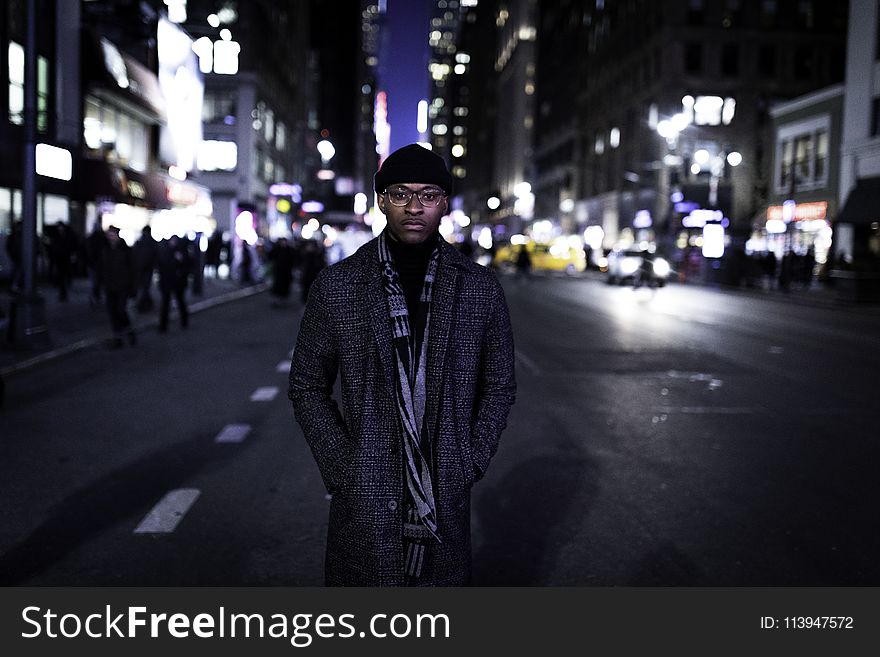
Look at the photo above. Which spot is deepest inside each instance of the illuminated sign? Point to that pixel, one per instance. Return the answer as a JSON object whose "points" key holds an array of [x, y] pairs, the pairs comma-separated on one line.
{"points": [[312, 206], [287, 189], [699, 218], [53, 162], [137, 189], [802, 211], [381, 127], [181, 193], [685, 207], [713, 241], [642, 219]]}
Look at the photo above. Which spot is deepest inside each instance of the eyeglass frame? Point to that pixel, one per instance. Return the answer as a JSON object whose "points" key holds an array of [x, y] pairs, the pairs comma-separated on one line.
{"points": [[417, 194]]}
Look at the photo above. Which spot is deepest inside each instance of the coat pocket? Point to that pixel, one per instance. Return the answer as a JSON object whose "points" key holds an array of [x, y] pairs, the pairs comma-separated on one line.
{"points": [[467, 460]]}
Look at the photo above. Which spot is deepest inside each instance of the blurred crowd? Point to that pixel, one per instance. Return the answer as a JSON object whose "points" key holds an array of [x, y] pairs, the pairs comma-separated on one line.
{"points": [[153, 275]]}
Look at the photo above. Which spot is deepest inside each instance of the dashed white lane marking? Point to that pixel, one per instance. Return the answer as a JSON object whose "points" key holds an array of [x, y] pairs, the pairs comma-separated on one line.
{"points": [[164, 517], [528, 362], [233, 433], [266, 393], [707, 410], [283, 366]]}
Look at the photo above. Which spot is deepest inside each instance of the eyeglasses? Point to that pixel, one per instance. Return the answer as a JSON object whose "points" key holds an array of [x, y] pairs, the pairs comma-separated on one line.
{"points": [[401, 196]]}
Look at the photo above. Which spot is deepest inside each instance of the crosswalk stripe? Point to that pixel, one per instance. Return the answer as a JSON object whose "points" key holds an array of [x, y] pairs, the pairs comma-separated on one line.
{"points": [[266, 393], [233, 433], [164, 517]]}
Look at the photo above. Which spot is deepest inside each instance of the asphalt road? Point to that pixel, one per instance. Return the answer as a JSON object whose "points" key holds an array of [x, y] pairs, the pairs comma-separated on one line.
{"points": [[679, 437]]}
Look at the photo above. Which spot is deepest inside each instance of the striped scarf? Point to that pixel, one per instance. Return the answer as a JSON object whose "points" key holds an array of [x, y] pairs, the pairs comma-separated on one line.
{"points": [[410, 350]]}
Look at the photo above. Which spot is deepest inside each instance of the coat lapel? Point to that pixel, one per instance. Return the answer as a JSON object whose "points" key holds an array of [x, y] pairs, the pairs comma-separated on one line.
{"points": [[368, 274], [438, 338], [378, 309]]}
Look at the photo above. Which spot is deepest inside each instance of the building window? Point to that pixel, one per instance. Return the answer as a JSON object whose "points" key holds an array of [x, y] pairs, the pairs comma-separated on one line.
{"points": [[113, 134], [280, 136], [802, 154], [15, 61], [767, 61], [696, 12], [16, 83], [730, 60], [785, 166], [269, 125], [803, 158], [806, 17], [768, 13], [693, 57], [219, 107], [732, 16], [804, 58], [217, 155], [820, 170]]}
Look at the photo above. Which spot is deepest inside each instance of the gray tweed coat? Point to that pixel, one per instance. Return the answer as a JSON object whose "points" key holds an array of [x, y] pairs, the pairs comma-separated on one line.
{"points": [[470, 388]]}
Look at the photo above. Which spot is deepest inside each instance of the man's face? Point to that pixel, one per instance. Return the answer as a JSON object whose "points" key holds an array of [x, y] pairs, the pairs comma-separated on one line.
{"points": [[413, 223]]}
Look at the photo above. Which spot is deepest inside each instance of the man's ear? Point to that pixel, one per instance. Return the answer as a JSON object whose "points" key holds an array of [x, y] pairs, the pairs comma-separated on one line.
{"points": [[380, 201]]}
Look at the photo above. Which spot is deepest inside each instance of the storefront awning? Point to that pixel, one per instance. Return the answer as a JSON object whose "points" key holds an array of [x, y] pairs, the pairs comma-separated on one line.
{"points": [[106, 70], [862, 206], [99, 180]]}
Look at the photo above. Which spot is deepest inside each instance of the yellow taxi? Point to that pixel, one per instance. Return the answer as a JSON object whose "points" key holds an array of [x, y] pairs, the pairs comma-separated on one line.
{"points": [[564, 254]]}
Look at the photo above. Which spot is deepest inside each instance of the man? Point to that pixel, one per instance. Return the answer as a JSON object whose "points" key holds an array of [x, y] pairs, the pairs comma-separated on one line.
{"points": [[422, 341], [175, 266], [118, 276], [146, 259]]}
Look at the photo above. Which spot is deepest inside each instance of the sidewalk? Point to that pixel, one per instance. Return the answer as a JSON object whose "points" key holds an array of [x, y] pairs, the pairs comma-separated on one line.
{"points": [[75, 324]]}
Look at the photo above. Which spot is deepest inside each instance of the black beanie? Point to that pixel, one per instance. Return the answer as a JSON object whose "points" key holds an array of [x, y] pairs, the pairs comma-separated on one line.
{"points": [[413, 164]]}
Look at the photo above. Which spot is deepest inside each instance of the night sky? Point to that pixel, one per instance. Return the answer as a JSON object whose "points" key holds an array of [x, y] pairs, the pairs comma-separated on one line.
{"points": [[403, 68]]}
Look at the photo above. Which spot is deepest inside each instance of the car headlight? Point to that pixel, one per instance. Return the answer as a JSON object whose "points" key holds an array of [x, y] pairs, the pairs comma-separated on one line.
{"points": [[629, 266], [661, 268]]}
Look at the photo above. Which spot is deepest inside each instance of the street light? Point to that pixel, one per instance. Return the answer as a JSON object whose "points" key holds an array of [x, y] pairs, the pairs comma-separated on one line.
{"points": [[327, 151]]}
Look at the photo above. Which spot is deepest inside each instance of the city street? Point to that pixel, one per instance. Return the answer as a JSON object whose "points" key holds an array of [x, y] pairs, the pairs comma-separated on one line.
{"points": [[684, 436]]}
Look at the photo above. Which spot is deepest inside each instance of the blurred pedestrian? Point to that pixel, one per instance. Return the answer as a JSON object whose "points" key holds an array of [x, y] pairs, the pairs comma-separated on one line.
{"points": [[118, 277], [13, 250], [213, 253], [146, 259], [96, 242], [175, 264], [310, 266], [421, 338], [523, 263], [246, 264], [281, 258], [786, 271], [61, 248]]}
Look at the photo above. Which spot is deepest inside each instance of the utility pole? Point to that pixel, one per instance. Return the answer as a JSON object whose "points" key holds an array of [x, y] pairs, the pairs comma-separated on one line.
{"points": [[27, 326]]}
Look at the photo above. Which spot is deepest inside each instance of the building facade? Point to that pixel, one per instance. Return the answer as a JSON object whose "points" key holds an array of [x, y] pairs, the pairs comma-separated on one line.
{"points": [[802, 188], [58, 110], [671, 108], [857, 232]]}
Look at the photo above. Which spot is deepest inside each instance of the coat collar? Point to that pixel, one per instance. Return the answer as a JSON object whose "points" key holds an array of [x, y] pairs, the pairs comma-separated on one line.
{"points": [[366, 268], [451, 265]]}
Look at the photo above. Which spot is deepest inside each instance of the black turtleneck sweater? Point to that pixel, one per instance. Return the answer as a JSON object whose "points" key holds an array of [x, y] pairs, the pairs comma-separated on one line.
{"points": [[411, 263]]}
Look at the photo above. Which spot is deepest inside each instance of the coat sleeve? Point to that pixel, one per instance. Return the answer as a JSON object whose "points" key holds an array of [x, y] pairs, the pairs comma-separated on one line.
{"points": [[496, 388], [313, 372]]}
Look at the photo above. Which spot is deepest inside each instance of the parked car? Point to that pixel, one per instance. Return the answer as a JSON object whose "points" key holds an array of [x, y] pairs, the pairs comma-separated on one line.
{"points": [[561, 254], [636, 266]]}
